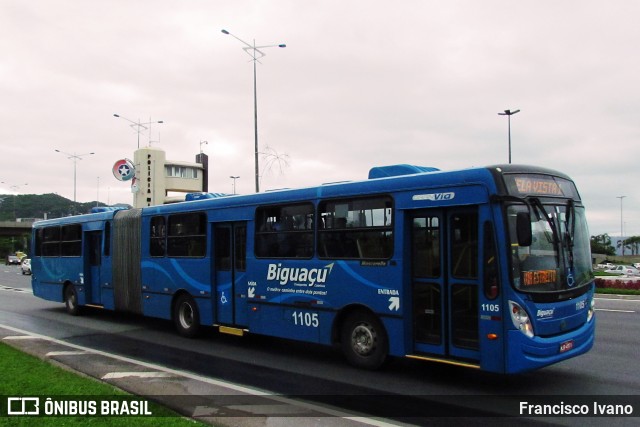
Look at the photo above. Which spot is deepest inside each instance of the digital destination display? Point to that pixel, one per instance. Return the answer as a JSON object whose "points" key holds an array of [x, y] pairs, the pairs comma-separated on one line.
{"points": [[538, 277], [540, 185]]}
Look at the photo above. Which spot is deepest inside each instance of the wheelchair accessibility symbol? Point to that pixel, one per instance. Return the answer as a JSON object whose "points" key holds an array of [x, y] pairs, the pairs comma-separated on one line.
{"points": [[223, 298]]}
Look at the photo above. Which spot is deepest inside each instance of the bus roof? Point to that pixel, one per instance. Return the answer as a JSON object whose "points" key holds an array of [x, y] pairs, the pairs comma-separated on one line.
{"points": [[382, 179]]}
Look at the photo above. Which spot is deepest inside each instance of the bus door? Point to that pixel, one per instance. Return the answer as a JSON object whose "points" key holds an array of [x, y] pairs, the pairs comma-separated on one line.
{"points": [[230, 250], [444, 277], [91, 277]]}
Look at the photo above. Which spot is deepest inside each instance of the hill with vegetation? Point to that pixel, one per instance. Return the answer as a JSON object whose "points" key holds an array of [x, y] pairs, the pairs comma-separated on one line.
{"points": [[40, 206]]}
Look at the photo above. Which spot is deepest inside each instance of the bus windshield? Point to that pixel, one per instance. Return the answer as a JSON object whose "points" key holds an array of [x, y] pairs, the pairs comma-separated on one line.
{"points": [[558, 258]]}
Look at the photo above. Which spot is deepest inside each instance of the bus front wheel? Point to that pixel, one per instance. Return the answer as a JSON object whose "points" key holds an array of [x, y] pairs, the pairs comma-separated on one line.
{"points": [[364, 340], [71, 300], [186, 316]]}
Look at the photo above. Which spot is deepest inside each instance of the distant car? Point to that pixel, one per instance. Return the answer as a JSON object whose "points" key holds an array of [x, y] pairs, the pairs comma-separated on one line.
{"points": [[13, 260], [637, 265], [627, 270], [26, 266], [607, 265]]}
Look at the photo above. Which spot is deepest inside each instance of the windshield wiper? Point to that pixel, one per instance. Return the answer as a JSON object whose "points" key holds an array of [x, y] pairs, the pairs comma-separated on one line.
{"points": [[571, 222], [539, 208], [570, 231]]}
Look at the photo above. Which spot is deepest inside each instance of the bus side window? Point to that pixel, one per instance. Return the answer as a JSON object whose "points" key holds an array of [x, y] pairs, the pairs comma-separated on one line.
{"points": [[240, 247], [95, 243], [284, 231], [464, 250], [187, 235], [51, 241], [38, 245], [358, 228], [158, 234], [71, 240], [222, 248], [426, 246]]}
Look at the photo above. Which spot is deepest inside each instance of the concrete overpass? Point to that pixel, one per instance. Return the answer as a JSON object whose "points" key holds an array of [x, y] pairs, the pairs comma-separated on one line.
{"points": [[14, 229]]}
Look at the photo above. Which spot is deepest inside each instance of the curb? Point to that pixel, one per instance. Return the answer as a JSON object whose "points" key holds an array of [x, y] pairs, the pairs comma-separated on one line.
{"points": [[203, 399]]}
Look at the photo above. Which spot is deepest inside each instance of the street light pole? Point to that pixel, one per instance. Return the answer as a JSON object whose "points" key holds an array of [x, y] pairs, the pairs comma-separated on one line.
{"points": [[256, 54], [75, 157], [509, 113], [138, 125], [234, 183], [203, 142], [621, 223]]}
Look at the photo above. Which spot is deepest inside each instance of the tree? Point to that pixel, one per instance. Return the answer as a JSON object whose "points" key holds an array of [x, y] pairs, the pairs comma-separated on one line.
{"points": [[601, 244], [631, 243]]}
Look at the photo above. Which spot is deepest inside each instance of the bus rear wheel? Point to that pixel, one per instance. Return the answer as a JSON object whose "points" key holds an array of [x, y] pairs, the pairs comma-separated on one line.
{"points": [[186, 316], [71, 300], [364, 340]]}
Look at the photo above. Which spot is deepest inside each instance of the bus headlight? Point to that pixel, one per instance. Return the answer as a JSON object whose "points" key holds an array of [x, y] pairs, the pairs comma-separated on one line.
{"points": [[520, 319], [592, 308]]}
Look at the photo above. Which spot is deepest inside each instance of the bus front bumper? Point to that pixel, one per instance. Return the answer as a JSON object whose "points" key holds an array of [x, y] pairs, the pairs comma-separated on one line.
{"points": [[526, 354]]}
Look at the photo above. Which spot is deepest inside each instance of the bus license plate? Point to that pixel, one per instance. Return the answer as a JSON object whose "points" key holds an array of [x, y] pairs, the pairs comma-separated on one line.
{"points": [[566, 346]]}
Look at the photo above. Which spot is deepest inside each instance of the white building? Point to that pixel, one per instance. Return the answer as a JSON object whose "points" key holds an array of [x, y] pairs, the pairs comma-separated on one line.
{"points": [[156, 177]]}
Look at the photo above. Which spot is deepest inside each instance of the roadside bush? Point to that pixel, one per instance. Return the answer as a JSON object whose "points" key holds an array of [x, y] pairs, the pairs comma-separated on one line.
{"points": [[602, 283]]}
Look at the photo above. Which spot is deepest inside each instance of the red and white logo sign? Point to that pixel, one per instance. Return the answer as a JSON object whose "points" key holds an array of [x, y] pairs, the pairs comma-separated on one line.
{"points": [[124, 170]]}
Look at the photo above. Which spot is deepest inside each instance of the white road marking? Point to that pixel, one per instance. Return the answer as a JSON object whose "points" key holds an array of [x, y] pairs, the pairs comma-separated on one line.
{"points": [[266, 410], [19, 337], [66, 353], [117, 375], [9, 288]]}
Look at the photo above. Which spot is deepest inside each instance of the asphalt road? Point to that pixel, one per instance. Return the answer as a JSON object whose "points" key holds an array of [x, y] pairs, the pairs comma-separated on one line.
{"points": [[320, 374]]}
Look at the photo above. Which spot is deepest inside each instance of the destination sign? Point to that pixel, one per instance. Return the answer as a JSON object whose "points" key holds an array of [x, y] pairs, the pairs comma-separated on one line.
{"points": [[540, 185], [531, 185], [538, 277]]}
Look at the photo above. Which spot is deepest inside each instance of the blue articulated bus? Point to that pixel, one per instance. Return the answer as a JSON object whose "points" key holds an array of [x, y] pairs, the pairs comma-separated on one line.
{"points": [[487, 268]]}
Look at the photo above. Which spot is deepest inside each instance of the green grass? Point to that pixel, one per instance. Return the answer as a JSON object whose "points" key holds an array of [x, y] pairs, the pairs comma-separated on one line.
{"points": [[615, 291], [25, 375]]}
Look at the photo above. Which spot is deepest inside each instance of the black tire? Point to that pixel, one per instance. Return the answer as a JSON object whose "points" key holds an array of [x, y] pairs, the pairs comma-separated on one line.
{"points": [[364, 340], [186, 316], [71, 300]]}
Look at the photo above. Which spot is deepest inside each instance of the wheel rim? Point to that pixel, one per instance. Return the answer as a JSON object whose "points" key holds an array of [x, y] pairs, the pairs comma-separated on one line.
{"points": [[186, 315], [363, 339]]}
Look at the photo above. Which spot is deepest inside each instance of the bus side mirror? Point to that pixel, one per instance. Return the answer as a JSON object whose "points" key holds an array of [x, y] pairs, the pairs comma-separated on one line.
{"points": [[523, 229]]}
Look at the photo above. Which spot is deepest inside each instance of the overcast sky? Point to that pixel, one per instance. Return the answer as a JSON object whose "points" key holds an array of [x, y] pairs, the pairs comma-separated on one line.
{"points": [[360, 84]]}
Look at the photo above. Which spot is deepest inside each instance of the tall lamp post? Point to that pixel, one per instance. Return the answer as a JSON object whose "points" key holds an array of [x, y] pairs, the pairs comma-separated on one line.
{"points": [[203, 142], [234, 182], [509, 113], [75, 157], [621, 224], [138, 126], [256, 54]]}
